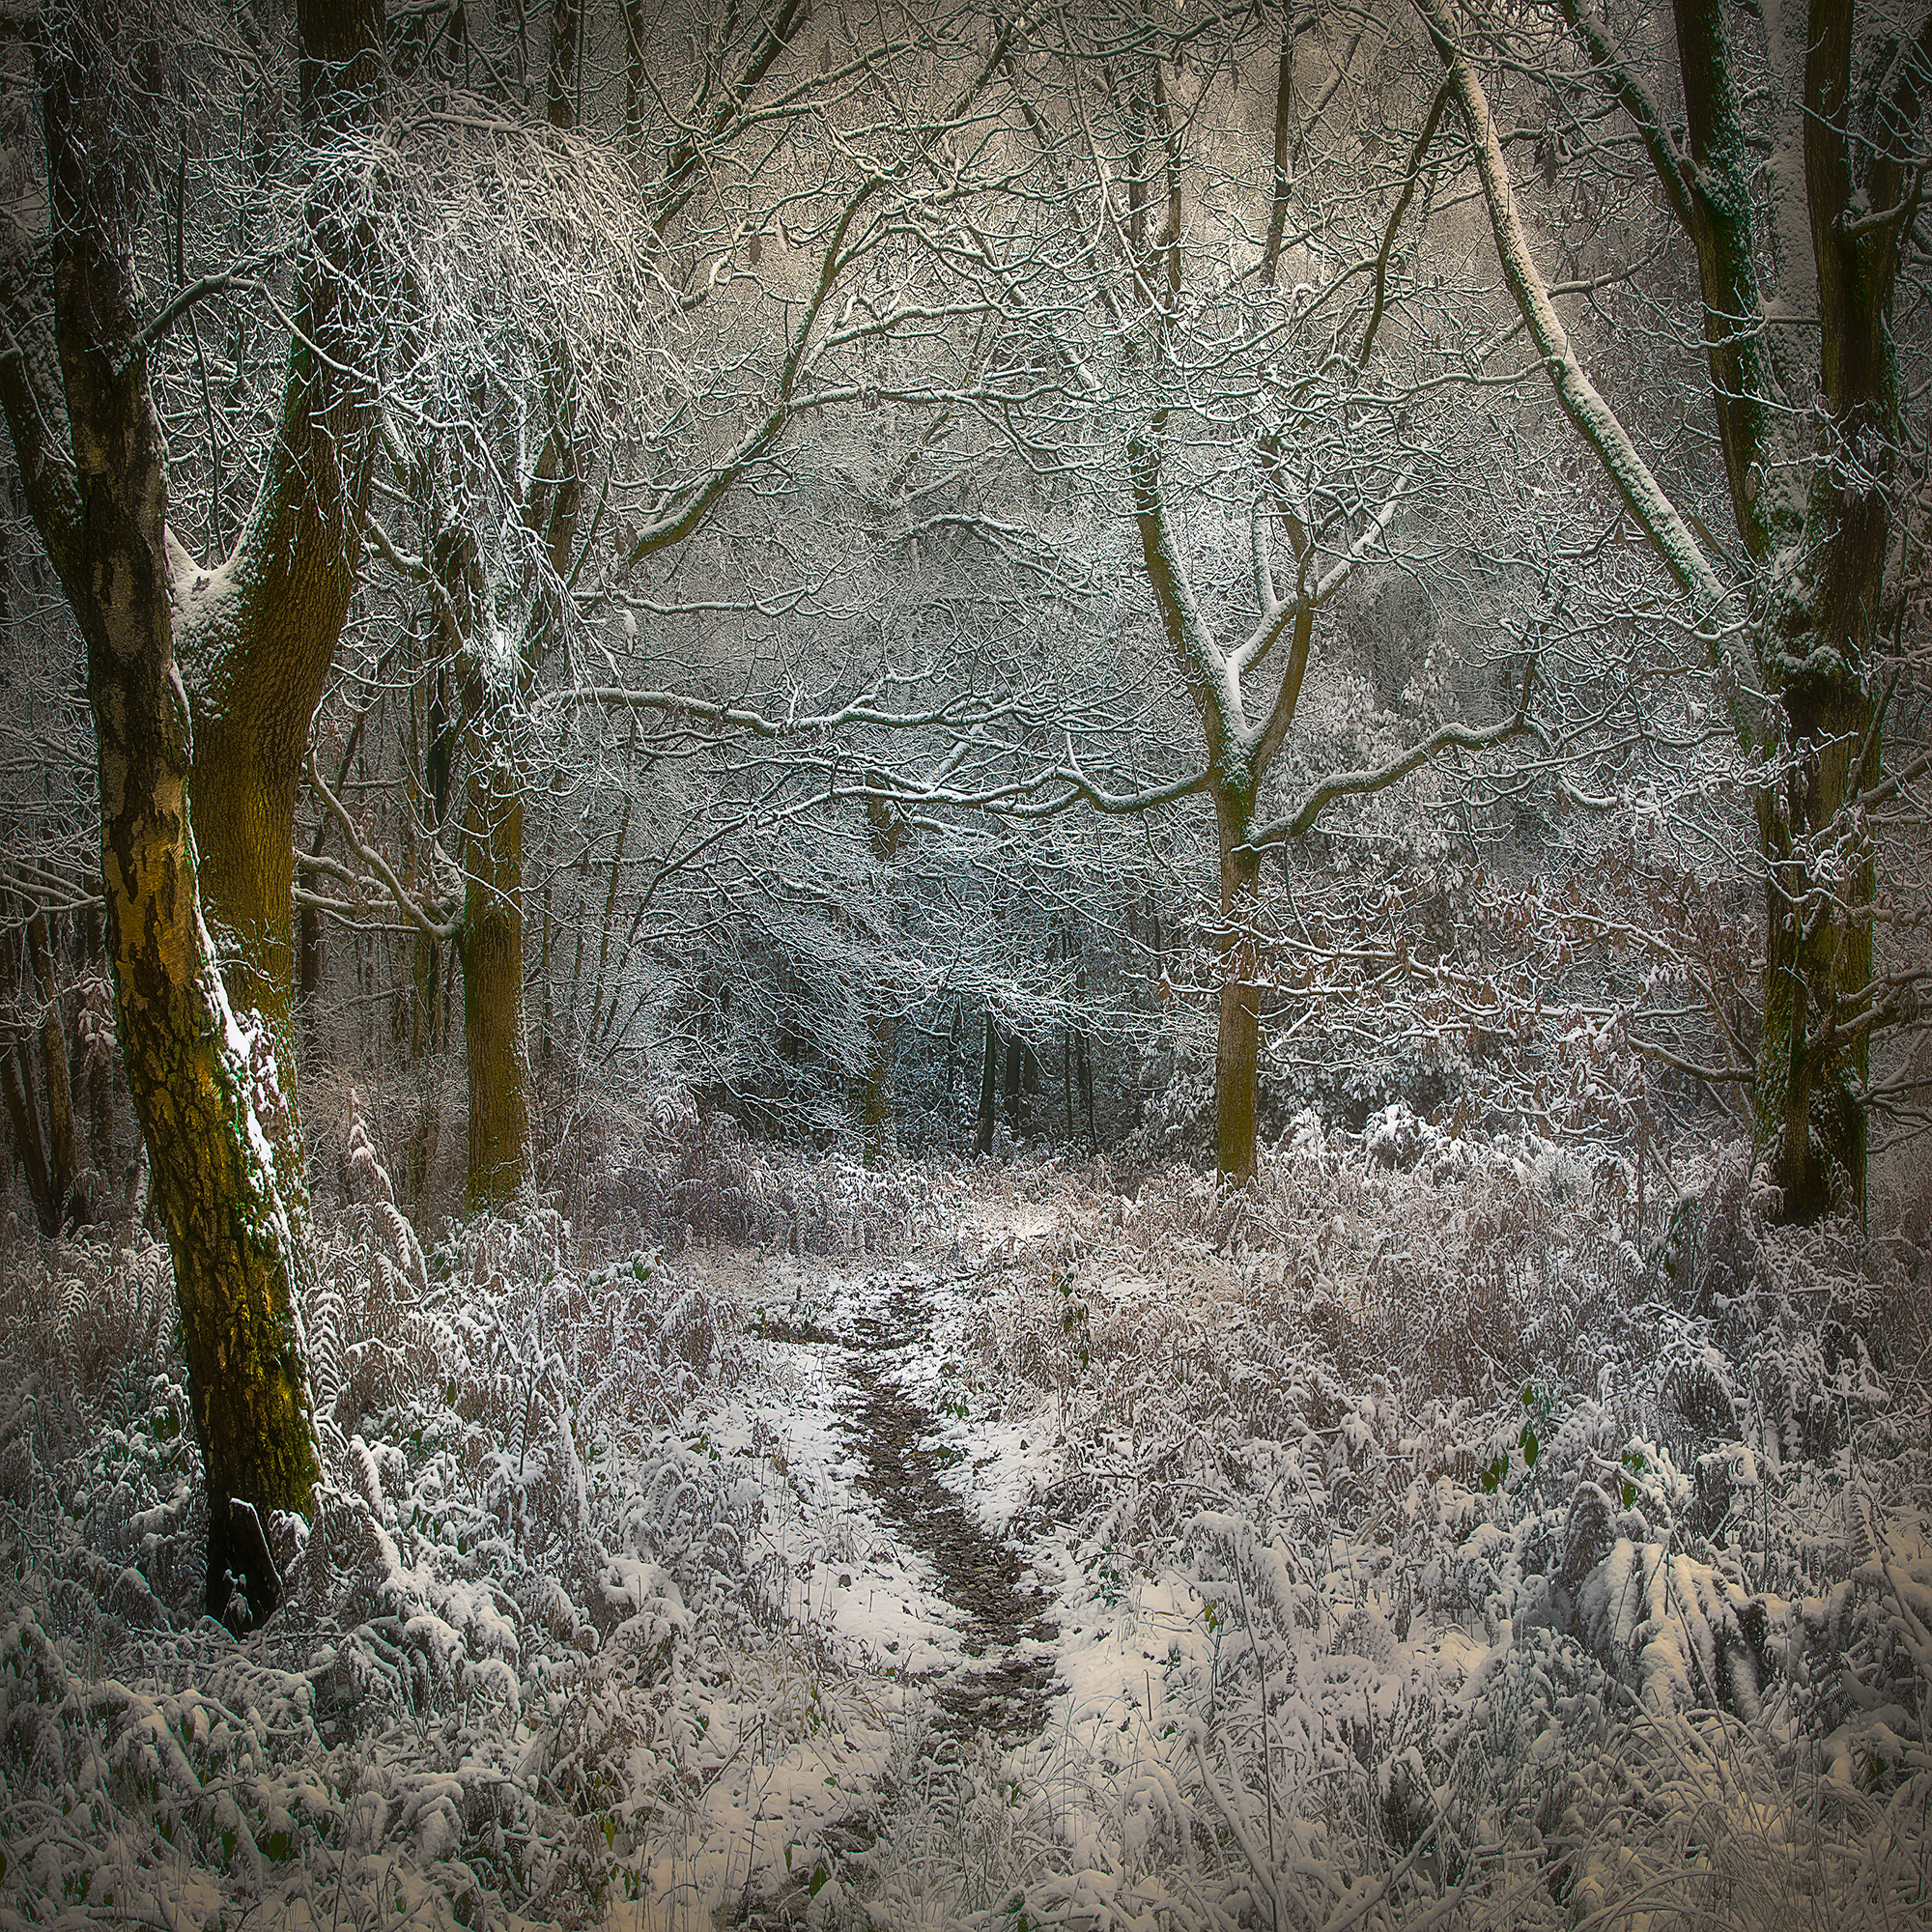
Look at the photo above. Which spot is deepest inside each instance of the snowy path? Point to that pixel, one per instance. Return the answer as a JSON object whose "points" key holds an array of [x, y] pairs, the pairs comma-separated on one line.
{"points": [[925, 1636], [1006, 1636], [883, 1549]]}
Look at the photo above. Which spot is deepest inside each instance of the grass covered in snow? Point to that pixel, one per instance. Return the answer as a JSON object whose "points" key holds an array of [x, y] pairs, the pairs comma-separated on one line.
{"points": [[1424, 1540]]}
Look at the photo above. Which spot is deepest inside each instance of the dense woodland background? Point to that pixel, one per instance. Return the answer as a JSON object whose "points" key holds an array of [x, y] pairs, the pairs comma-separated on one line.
{"points": [[641, 632]]}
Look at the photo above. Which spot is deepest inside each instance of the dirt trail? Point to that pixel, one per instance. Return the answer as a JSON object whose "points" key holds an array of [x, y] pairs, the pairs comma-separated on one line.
{"points": [[1005, 1689], [1001, 1690]]}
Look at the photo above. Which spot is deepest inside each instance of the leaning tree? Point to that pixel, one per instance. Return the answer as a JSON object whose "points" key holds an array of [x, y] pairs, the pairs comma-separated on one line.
{"points": [[1789, 147], [197, 785]]}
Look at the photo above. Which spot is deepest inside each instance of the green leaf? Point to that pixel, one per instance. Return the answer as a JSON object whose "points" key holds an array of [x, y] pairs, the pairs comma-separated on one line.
{"points": [[819, 1875], [1528, 1443]]}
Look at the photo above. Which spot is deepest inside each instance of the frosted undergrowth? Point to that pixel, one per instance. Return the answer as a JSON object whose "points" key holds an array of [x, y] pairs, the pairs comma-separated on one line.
{"points": [[1432, 1538], [543, 1653], [1442, 1549]]}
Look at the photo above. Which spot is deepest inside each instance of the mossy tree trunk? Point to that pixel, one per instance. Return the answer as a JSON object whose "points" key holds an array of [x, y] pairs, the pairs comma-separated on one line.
{"points": [[260, 634], [1820, 557], [204, 1083], [1812, 488], [1239, 751], [490, 947], [1820, 644], [1237, 1035], [492, 955]]}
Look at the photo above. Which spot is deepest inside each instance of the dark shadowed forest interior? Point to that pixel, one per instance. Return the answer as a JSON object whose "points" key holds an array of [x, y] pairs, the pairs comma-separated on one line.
{"points": [[966, 965]]}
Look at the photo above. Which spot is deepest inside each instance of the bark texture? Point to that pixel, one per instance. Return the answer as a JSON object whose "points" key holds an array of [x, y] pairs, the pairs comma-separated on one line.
{"points": [[1237, 1043], [989, 1065], [260, 648], [203, 1083], [43, 1135]]}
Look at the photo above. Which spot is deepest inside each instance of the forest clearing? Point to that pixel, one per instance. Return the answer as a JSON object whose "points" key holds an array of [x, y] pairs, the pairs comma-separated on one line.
{"points": [[966, 965]]}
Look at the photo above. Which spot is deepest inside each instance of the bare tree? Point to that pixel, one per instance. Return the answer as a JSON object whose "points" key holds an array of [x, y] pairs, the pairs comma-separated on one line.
{"points": [[1147, 343]]}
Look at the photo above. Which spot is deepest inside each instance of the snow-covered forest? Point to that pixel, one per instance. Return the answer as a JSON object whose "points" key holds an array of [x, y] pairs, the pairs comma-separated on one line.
{"points": [[966, 965]]}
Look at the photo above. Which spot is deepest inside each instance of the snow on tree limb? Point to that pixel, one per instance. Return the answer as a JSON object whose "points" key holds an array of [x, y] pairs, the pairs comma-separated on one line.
{"points": [[1359, 784], [1595, 421], [433, 922]]}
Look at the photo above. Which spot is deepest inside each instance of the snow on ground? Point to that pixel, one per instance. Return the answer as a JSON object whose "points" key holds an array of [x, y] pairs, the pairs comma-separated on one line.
{"points": [[1160, 1564]]}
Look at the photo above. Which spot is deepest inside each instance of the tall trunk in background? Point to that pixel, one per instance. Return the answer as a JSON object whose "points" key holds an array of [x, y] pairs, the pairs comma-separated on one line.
{"points": [[428, 1021], [492, 952], [989, 1060], [882, 1027], [566, 25], [204, 1083], [29, 1142], [35, 1065], [1011, 1079], [490, 948], [96, 1060], [258, 636], [63, 1149]]}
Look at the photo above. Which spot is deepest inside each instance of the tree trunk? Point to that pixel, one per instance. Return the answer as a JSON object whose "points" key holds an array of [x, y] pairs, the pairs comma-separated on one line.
{"points": [[63, 1154], [1083, 1067], [1818, 548], [268, 643], [492, 945], [989, 1060], [28, 1143], [493, 975], [1239, 1038], [429, 1028], [882, 1027], [1820, 652], [1811, 1070], [204, 1084], [877, 1100]]}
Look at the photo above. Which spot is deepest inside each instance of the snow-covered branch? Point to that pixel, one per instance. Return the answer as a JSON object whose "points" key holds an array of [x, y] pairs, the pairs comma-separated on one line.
{"points": [[1596, 421], [433, 920], [1359, 784]]}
